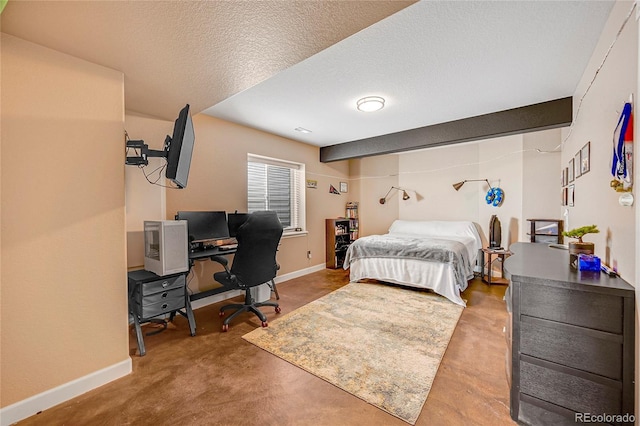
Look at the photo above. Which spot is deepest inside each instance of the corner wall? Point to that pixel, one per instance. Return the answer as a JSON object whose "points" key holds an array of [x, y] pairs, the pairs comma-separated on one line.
{"points": [[63, 250]]}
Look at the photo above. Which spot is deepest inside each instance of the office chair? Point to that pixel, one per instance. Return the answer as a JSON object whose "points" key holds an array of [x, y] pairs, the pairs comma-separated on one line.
{"points": [[254, 263]]}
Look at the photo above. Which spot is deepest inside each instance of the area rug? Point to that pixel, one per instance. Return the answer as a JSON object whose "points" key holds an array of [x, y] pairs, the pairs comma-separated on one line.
{"points": [[380, 343]]}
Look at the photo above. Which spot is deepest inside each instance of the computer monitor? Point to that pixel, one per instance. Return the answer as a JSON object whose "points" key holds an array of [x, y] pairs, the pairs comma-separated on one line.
{"points": [[205, 226], [235, 220]]}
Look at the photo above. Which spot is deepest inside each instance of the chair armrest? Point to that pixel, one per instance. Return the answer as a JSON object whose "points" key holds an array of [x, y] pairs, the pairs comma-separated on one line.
{"points": [[221, 260]]}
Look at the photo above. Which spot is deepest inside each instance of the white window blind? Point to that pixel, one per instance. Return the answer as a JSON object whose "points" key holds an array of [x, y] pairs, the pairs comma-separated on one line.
{"points": [[277, 185]]}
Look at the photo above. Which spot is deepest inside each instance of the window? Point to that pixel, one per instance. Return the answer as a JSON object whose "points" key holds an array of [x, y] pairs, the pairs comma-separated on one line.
{"points": [[277, 185]]}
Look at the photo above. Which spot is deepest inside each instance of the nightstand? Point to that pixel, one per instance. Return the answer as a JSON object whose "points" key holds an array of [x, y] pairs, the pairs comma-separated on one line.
{"points": [[488, 256]]}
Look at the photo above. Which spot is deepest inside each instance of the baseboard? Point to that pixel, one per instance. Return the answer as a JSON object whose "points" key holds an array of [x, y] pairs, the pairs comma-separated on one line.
{"points": [[205, 301], [40, 402], [300, 273]]}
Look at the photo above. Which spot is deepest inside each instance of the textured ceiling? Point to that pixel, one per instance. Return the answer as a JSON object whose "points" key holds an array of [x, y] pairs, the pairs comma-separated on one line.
{"points": [[278, 65], [433, 62], [196, 52]]}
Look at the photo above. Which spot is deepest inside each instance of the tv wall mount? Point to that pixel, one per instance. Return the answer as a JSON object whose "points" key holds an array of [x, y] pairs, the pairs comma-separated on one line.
{"points": [[144, 151]]}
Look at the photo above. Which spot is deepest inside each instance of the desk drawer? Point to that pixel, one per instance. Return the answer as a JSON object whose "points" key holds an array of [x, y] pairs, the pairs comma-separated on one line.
{"points": [[149, 310], [162, 285]]}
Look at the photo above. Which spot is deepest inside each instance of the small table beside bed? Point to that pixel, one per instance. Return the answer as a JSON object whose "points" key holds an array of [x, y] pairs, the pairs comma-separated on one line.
{"points": [[435, 255]]}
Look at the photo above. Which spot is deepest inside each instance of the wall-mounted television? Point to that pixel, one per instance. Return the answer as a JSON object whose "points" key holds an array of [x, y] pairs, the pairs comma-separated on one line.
{"points": [[178, 149]]}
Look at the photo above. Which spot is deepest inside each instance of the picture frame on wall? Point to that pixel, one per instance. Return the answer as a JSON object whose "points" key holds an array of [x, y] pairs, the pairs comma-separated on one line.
{"points": [[576, 165], [564, 196], [571, 196], [571, 177], [344, 187], [585, 158]]}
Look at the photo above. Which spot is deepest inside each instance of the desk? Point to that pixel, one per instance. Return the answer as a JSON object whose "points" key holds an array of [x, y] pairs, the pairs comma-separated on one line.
{"points": [[204, 255], [487, 258]]}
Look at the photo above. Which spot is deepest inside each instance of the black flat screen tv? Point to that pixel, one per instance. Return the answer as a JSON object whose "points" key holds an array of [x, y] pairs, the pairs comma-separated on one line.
{"points": [[179, 149]]}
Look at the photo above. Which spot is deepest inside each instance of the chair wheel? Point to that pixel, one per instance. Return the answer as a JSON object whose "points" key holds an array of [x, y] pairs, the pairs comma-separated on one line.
{"points": [[225, 327], [278, 310], [221, 313], [265, 324]]}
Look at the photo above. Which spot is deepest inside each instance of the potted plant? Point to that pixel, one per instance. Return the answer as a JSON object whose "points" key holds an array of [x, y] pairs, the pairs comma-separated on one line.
{"points": [[577, 247]]}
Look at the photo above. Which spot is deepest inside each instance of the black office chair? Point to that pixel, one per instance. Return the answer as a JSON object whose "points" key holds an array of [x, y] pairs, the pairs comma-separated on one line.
{"points": [[254, 263]]}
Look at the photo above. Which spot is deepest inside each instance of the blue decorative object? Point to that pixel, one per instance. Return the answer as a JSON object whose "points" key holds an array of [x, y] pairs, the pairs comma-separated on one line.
{"points": [[588, 262], [494, 196]]}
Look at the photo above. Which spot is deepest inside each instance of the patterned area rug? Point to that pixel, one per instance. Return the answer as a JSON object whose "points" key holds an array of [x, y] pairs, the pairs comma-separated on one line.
{"points": [[380, 343]]}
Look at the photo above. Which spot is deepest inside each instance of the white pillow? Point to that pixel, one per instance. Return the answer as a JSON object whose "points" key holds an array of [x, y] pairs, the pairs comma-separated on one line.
{"points": [[433, 228]]}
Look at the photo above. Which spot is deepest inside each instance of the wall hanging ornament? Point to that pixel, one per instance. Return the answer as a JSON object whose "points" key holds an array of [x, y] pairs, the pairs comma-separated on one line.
{"points": [[622, 156], [494, 196], [333, 190]]}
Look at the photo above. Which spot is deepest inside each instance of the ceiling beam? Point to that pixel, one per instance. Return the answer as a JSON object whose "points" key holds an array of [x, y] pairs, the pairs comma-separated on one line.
{"points": [[531, 118]]}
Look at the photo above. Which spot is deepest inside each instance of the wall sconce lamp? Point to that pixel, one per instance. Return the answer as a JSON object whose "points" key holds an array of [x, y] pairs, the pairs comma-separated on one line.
{"points": [[494, 196], [405, 196], [458, 185]]}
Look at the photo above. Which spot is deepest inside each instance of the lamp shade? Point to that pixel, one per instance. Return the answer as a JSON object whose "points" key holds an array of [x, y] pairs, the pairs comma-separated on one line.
{"points": [[458, 185]]}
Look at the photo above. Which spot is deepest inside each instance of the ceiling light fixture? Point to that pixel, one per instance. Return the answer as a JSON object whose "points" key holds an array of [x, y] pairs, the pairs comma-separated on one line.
{"points": [[302, 130], [370, 103]]}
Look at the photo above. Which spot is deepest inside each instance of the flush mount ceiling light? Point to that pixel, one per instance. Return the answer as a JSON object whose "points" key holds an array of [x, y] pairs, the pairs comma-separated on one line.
{"points": [[370, 103], [302, 130]]}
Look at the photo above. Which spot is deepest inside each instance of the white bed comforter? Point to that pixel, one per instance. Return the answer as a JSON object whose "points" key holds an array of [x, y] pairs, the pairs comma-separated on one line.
{"points": [[437, 255]]}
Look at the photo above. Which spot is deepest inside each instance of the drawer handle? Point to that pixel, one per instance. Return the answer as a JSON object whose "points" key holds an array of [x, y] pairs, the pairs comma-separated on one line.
{"points": [[164, 294], [164, 305], [165, 284]]}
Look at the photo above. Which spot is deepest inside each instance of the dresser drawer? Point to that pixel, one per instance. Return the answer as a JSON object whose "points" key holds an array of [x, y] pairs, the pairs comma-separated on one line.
{"points": [[163, 284], [149, 310], [592, 310], [574, 390], [584, 349]]}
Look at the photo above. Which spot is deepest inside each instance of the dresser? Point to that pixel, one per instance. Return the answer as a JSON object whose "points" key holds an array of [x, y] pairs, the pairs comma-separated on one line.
{"points": [[571, 339], [152, 296]]}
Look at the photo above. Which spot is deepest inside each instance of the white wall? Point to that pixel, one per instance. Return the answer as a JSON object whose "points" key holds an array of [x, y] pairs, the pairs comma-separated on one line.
{"points": [[599, 109]]}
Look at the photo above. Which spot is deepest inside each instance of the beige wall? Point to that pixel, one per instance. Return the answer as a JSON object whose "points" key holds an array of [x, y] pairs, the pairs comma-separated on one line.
{"points": [[529, 179], [64, 288], [218, 181], [595, 202], [144, 201], [373, 177]]}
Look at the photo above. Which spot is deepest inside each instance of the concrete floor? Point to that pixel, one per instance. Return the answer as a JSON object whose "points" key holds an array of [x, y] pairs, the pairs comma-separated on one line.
{"points": [[218, 378]]}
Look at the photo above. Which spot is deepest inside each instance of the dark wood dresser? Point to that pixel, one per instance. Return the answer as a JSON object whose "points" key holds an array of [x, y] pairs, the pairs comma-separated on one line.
{"points": [[571, 336]]}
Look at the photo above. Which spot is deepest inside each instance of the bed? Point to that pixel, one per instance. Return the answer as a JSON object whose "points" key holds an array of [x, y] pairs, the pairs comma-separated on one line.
{"points": [[436, 255]]}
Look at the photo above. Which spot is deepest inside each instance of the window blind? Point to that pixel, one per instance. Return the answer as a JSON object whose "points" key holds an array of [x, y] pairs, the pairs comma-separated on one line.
{"points": [[276, 185]]}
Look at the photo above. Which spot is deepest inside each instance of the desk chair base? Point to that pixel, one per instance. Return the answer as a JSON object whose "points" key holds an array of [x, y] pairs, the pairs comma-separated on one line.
{"points": [[248, 306]]}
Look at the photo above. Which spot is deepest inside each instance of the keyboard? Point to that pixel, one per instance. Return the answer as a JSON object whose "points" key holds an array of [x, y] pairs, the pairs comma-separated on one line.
{"points": [[228, 247]]}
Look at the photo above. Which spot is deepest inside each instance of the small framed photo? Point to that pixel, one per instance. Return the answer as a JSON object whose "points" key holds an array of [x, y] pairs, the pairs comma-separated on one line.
{"points": [[344, 187], [585, 160], [313, 184], [570, 171], [564, 196], [565, 176], [576, 165], [571, 196]]}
